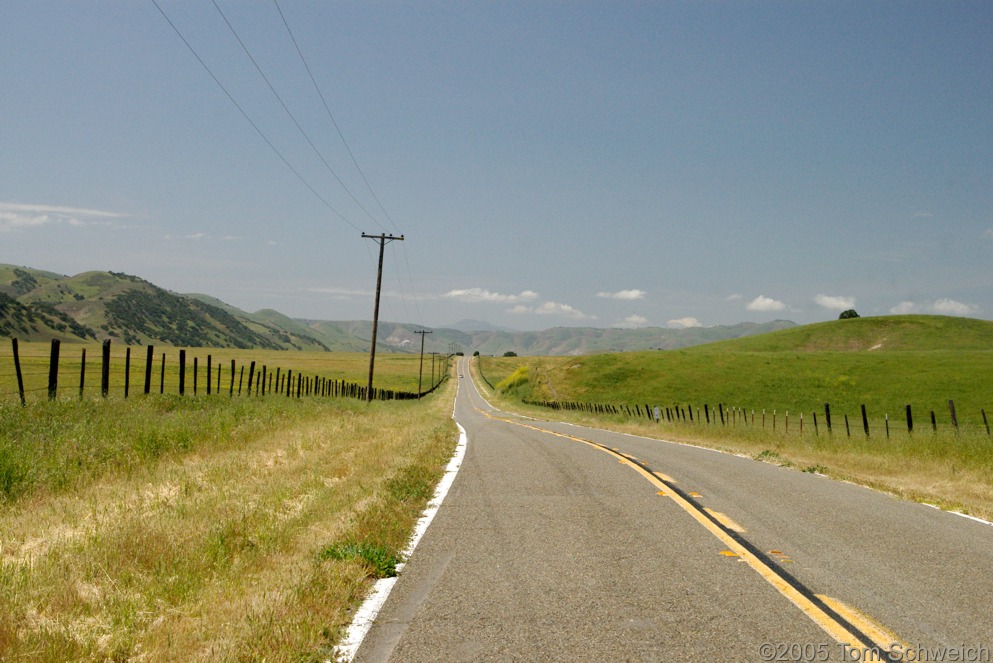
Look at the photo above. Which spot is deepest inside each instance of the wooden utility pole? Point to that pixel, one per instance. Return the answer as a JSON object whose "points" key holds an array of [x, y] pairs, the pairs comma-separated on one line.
{"points": [[382, 239], [420, 371], [433, 355]]}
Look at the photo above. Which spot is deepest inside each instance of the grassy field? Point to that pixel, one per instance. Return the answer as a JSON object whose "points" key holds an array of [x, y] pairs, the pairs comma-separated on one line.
{"points": [[760, 381], [171, 528], [393, 371]]}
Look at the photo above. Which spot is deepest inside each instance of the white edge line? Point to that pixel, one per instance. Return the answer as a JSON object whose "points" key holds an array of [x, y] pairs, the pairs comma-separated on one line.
{"points": [[975, 518], [373, 603]]}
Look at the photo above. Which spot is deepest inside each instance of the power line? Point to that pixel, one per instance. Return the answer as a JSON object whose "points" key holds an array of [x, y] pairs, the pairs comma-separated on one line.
{"points": [[413, 293], [351, 155], [291, 116], [250, 121], [279, 154], [331, 116]]}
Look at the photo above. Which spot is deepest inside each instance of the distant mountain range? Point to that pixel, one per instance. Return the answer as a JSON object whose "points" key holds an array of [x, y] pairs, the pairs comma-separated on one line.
{"points": [[37, 305]]}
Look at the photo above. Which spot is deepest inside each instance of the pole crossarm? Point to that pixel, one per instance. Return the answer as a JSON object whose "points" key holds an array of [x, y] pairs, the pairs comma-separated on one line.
{"points": [[383, 239]]}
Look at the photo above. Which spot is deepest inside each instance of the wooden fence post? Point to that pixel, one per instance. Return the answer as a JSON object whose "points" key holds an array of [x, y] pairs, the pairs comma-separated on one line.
{"points": [[82, 373], [985, 421], [127, 371], [827, 416], [196, 373], [20, 376], [182, 372], [149, 355], [105, 369], [241, 378], [210, 373], [251, 377], [910, 420], [951, 410], [865, 421], [162, 376], [53, 369], [934, 422]]}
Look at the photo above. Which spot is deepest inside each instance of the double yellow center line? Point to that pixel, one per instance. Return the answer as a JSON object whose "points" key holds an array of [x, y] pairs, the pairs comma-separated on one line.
{"points": [[845, 624]]}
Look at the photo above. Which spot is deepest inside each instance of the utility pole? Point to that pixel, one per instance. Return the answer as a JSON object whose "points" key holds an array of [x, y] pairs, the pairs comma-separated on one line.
{"points": [[382, 239], [420, 371], [433, 355]]}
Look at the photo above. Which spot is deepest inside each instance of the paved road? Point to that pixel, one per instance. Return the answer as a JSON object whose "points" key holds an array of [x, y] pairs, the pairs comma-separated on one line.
{"points": [[556, 544]]}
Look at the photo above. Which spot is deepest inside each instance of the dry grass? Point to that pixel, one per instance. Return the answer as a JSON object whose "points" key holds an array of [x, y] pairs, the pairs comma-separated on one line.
{"points": [[215, 555]]}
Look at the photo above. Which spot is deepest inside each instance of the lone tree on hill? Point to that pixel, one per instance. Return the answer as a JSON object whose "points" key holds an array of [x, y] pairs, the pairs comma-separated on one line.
{"points": [[850, 313]]}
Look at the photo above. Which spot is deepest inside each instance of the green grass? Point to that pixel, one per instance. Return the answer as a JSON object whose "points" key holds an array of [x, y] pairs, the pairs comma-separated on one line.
{"points": [[797, 370], [53, 446], [917, 333], [382, 561]]}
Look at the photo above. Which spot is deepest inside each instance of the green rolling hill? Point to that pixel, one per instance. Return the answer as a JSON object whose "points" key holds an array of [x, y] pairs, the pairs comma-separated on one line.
{"points": [[37, 305], [885, 362]]}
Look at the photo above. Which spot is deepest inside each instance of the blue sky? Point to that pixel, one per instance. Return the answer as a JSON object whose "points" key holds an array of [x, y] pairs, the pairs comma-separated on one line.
{"points": [[548, 163]]}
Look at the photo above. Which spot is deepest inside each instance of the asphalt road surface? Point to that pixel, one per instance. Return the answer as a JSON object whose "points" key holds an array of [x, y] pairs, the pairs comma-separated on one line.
{"points": [[564, 543]]}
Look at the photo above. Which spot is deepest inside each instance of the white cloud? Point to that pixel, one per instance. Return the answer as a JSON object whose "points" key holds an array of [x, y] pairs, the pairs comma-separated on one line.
{"points": [[476, 295], [551, 308], [555, 308], [952, 307], [14, 216], [623, 294], [340, 293], [944, 306], [735, 297], [905, 308], [683, 323], [765, 304], [633, 321], [834, 302]]}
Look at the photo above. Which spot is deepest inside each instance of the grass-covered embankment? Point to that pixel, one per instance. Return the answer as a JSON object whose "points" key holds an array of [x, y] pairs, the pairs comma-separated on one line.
{"points": [[884, 363], [205, 528]]}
